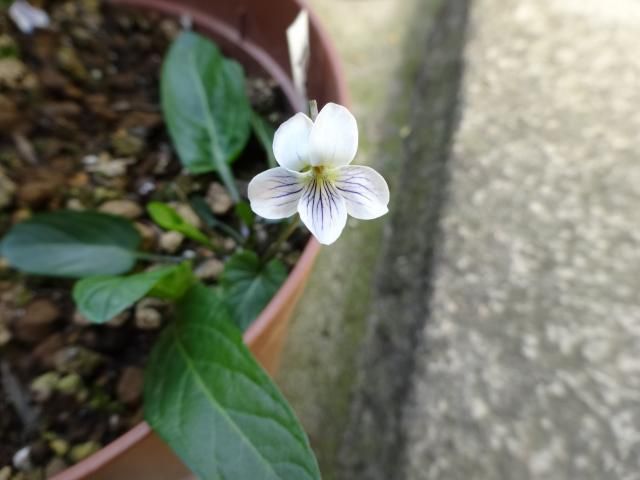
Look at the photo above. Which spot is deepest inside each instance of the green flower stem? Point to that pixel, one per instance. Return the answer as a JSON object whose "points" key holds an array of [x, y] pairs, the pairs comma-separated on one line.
{"points": [[287, 230], [202, 210]]}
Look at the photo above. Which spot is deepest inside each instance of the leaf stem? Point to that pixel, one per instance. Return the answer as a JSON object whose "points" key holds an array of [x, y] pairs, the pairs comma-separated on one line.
{"points": [[204, 212], [152, 257], [285, 233]]}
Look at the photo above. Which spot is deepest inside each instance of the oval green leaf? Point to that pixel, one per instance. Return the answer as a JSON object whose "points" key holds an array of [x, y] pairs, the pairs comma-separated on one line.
{"points": [[101, 298], [167, 217], [205, 105], [72, 244], [249, 285], [208, 398]]}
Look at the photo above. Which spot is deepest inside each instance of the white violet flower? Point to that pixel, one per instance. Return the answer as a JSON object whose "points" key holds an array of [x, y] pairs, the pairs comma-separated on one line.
{"points": [[314, 177]]}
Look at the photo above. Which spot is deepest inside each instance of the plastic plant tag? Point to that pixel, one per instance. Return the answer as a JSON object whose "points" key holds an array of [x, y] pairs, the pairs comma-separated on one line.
{"points": [[298, 40]]}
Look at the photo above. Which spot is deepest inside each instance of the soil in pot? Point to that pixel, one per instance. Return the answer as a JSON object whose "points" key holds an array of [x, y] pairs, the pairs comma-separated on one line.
{"points": [[81, 129]]}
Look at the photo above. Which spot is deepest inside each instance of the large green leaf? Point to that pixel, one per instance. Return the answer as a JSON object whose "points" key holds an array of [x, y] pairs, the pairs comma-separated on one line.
{"points": [[207, 397], [249, 285], [205, 105], [167, 217], [72, 244], [101, 298]]}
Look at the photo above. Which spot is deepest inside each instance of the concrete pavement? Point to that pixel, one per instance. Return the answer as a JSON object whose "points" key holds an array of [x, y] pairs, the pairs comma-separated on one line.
{"points": [[493, 331]]}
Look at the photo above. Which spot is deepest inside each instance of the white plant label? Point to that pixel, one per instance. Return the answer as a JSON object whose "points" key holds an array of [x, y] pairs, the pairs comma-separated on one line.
{"points": [[298, 40]]}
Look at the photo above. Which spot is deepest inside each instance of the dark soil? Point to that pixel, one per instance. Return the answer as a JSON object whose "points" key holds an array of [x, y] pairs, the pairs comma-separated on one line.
{"points": [[81, 128]]}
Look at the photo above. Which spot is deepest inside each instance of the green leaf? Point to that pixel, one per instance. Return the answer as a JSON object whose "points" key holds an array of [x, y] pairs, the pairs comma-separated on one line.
{"points": [[166, 217], [264, 131], [208, 398], [205, 106], [249, 285], [175, 284], [72, 244], [101, 298]]}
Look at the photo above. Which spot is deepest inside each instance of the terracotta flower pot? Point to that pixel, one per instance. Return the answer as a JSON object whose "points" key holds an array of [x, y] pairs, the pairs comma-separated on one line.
{"points": [[252, 32]]}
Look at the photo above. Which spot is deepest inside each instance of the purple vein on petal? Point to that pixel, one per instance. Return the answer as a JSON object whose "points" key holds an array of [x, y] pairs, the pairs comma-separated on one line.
{"points": [[280, 185], [357, 184], [286, 194]]}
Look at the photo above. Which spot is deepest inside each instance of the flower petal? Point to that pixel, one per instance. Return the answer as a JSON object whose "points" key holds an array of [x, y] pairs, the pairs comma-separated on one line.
{"points": [[275, 193], [323, 210], [334, 137], [291, 142], [364, 190]]}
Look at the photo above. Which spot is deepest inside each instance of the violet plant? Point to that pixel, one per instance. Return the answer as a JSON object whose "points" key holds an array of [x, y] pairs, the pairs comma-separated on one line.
{"points": [[205, 394]]}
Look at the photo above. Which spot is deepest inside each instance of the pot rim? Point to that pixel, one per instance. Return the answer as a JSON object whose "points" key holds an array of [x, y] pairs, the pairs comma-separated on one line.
{"points": [[136, 434]]}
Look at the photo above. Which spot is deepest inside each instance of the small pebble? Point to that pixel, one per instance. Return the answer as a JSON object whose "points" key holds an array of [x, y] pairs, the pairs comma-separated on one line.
{"points": [[119, 319], [130, 385], [79, 319], [43, 386], [148, 234], [5, 473], [80, 179], [69, 384], [209, 269], [59, 446], [218, 199], [189, 254], [37, 321], [171, 241], [5, 335], [124, 208], [75, 204], [22, 459], [229, 244], [69, 61], [83, 450], [37, 191], [44, 351], [20, 215], [145, 187], [76, 359], [148, 319], [187, 213], [126, 145], [55, 466], [115, 421], [12, 71], [105, 165], [147, 316], [7, 190]]}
